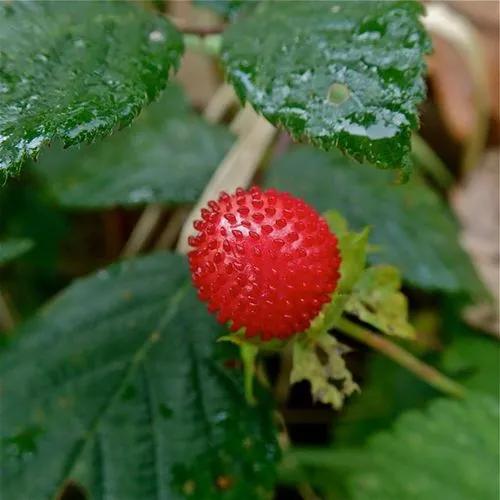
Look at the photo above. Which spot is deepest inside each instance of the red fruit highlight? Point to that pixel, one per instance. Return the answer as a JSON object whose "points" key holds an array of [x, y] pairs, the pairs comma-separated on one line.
{"points": [[264, 260]]}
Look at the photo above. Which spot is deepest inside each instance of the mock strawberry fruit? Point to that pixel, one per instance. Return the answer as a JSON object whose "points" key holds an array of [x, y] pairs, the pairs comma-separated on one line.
{"points": [[263, 260]]}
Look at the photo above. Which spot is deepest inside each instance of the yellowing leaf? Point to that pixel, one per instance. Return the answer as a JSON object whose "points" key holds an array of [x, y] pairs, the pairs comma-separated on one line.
{"points": [[378, 301], [320, 363]]}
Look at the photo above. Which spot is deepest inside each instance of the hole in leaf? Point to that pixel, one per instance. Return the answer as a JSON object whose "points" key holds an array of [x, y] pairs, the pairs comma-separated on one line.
{"points": [[338, 93], [189, 487], [224, 483], [73, 491]]}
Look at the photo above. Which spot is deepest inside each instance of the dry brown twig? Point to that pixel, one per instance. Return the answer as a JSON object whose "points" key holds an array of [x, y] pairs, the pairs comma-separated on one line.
{"points": [[462, 34]]}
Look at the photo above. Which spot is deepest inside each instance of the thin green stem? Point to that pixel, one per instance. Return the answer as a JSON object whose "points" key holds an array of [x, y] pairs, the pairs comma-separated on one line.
{"points": [[248, 356], [430, 162], [404, 358]]}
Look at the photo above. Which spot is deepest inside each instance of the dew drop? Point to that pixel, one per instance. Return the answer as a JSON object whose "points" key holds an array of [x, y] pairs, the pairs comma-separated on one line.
{"points": [[156, 36]]}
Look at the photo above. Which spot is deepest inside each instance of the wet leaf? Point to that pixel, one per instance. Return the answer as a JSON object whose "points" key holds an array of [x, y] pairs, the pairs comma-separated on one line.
{"points": [[76, 70], [10, 249], [120, 386], [411, 227], [338, 74], [167, 156], [378, 301]]}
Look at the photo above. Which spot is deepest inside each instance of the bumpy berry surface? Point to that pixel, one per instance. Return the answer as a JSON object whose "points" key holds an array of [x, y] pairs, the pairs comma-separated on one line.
{"points": [[265, 261]]}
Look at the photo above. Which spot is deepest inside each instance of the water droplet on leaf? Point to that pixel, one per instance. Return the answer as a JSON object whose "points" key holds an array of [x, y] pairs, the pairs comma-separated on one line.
{"points": [[338, 93]]}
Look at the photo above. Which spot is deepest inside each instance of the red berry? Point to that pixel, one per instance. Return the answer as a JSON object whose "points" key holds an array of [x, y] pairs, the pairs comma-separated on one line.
{"points": [[264, 260]]}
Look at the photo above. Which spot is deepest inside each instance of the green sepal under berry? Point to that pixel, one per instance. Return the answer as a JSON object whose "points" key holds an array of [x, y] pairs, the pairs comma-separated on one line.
{"points": [[353, 249]]}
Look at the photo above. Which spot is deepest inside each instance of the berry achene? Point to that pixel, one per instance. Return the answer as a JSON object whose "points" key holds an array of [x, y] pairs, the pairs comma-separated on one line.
{"points": [[263, 260]]}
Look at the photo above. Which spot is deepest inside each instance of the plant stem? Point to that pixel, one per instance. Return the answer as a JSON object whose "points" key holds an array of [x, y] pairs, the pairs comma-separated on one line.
{"points": [[463, 35], [7, 321], [404, 358], [144, 228], [248, 356], [236, 169], [430, 162]]}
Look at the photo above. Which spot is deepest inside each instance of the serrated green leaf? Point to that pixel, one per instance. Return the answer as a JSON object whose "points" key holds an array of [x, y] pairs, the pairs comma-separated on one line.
{"points": [[378, 301], [320, 362], [119, 385], [411, 227], [450, 451], [76, 70], [10, 249], [167, 156], [344, 75]]}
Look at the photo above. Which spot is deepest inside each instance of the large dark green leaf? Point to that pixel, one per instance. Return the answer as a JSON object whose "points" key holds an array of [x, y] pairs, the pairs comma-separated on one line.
{"points": [[339, 74], [119, 384], [10, 249], [411, 225], [167, 156], [76, 70]]}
